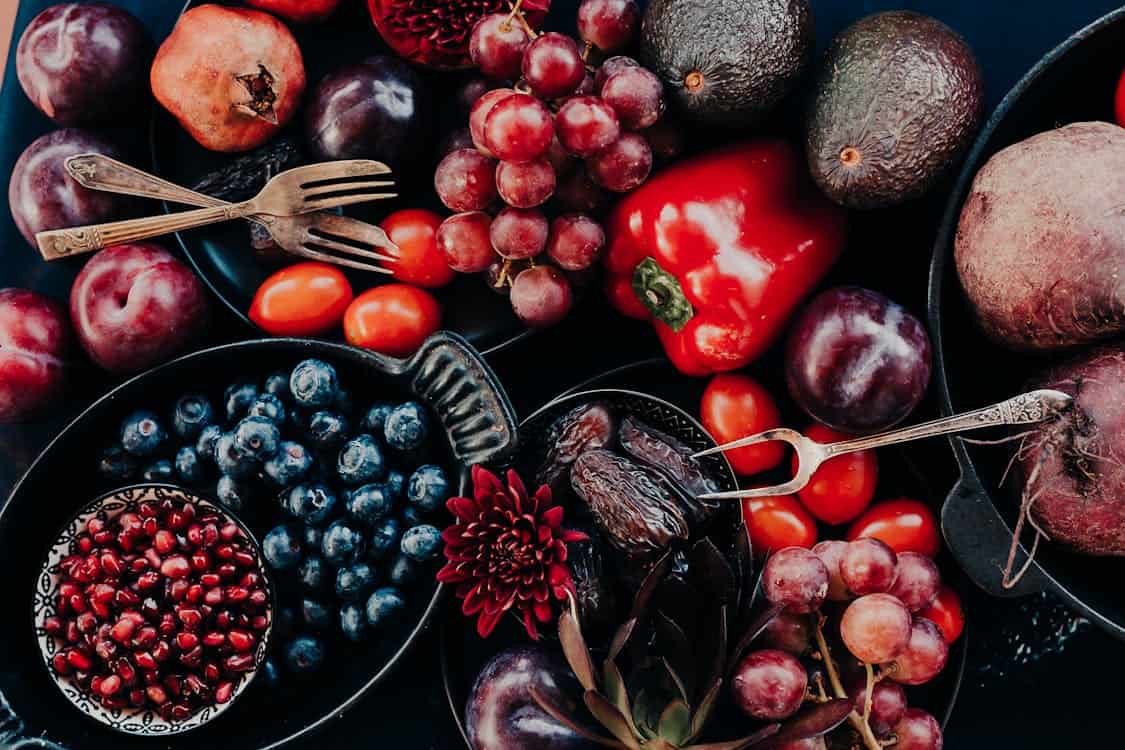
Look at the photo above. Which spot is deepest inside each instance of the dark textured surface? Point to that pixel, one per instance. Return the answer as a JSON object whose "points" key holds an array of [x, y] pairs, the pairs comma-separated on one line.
{"points": [[903, 93], [1025, 689]]}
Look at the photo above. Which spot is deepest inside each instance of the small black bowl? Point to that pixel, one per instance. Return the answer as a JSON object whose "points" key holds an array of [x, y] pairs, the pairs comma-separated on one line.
{"points": [[446, 374]]}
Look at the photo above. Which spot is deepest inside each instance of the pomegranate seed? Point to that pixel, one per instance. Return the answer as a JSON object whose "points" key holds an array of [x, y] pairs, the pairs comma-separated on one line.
{"points": [[172, 685], [126, 671], [239, 662], [161, 651], [244, 558], [259, 622], [72, 634], [176, 520], [137, 564], [147, 580], [177, 590], [149, 526], [164, 541], [125, 598], [84, 544], [216, 639], [214, 596], [167, 624], [111, 564], [156, 694], [194, 594], [243, 620], [241, 640], [130, 523], [176, 566], [96, 683], [145, 637], [132, 614], [192, 684], [103, 593], [224, 551], [137, 697], [153, 558], [211, 671], [105, 650], [86, 622], [79, 660], [113, 702], [144, 660], [258, 598], [101, 610], [95, 524], [190, 617], [195, 535], [205, 610], [60, 664], [148, 510], [68, 589], [250, 580], [224, 692], [227, 570], [229, 531], [103, 537], [77, 604], [180, 711], [123, 631], [82, 679], [186, 641], [192, 658], [125, 542], [235, 594], [210, 535], [53, 625], [200, 561]]}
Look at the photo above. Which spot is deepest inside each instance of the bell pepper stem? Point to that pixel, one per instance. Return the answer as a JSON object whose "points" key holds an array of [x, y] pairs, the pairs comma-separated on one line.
{"points": [[662, 294]]}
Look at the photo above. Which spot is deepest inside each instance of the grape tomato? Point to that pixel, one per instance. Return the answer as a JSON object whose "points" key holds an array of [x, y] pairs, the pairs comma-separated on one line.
{"points": [[392, 319], [777, 522], [946, 613], [842, 487], [905, 525], [419, 260], [305, 299], [736, 406]]}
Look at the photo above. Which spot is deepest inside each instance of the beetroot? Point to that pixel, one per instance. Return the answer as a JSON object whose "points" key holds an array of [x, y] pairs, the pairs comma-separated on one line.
{"points": [[1073, 479]]}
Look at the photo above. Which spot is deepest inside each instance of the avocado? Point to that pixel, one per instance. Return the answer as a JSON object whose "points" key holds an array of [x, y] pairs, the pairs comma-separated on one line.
{"points": [[727, 62], [896, 102]]}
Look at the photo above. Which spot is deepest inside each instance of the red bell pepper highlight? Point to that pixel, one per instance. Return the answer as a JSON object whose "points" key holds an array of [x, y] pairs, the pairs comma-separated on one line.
{"points": [[718, 251]]}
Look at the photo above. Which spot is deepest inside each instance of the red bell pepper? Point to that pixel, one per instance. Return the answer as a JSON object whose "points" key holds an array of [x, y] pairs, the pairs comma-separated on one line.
{"points": [[718, 251]]}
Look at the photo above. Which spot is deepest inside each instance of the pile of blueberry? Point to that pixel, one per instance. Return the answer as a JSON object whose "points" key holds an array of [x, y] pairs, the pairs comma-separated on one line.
{"points": [[354, 489]]}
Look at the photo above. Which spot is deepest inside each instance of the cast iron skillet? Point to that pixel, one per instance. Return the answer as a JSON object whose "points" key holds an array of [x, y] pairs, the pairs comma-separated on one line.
{"points": [[1074, 82], [446, 374], [222, 255], [463, 653]]}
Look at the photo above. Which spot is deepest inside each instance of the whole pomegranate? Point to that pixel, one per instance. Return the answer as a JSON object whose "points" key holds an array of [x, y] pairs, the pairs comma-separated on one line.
{"points": [[233, 77], [298, 11], [84, 64], [435, 33]]}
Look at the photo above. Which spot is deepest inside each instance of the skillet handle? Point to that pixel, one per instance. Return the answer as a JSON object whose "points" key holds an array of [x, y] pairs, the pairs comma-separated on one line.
{"points": [[980, 539], [453, 378]]}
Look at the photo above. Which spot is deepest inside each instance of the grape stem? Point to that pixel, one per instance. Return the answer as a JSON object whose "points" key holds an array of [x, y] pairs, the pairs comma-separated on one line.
{"points": [[517, 14], [859, 723]]}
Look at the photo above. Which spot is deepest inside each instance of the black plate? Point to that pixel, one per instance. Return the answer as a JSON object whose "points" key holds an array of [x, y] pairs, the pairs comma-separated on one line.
{"points": [[222, 255], [463, 653], [446, 374], [1074, 82]]}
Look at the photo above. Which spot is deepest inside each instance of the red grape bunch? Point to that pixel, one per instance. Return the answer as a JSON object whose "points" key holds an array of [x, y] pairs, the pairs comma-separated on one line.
{"points": [[558, 129], [889, 644]]}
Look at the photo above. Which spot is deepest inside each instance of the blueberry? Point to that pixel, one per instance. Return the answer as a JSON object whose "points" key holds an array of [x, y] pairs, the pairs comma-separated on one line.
{"points": [[327, 429], [313, 573], [315, 614], [257, 438], [116, 464], [237, 399], [314, 384], [268, 406], [384, 540], [354, 581], [341, 544], [285, 623], [312, 537], [188, 466], [403, 572], [208, 437], [142, 434], [232, 493], [277, 384], [421, 543], [428, 488], [368, 503], [396, 485], [343, 402], [304, 655], [353, 622], [312, 503], [159, 471], [407, 426], [281, 548], [191, 414], [230, 462], [360, 461], [412, 516], [375, 419], [384, 607], [290, 464], [270, 674]]}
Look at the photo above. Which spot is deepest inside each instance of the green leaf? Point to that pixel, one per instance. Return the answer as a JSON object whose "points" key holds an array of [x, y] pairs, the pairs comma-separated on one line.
{"points": [[675, 723], [616, 692], [610, 718], [557, 713], [673, 644], [705, 707], [648, 586], [761, 735], [644, 715], [575, 649], [675, 679]]}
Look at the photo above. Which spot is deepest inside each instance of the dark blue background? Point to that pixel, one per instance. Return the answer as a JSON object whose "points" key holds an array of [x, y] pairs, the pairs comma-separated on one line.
{"points": [[1037, 677]]}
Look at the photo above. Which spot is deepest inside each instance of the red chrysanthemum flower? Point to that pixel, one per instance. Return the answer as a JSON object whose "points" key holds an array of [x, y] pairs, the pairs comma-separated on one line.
{"points": [[507, 551]]}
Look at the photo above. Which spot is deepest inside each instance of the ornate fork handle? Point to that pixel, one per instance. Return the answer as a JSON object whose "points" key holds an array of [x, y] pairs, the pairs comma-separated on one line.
{"points": [[1026, 408], [98, 172]]}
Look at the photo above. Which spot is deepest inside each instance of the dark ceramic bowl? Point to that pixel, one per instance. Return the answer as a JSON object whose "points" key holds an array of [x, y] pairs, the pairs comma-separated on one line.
{"points": [[446, 374], [139, 721], [1074, 82]]}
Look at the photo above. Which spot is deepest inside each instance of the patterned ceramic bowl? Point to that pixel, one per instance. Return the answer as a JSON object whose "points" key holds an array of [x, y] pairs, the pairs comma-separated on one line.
{"points": [[131, 720]]}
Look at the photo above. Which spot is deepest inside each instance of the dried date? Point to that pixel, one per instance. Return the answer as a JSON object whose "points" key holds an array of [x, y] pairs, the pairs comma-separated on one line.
{"points": [[581, 429], [673, 460]]}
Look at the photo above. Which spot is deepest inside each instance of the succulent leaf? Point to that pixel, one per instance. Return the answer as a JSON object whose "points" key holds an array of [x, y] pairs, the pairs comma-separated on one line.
{"points": [[705, 707], [675, 723], [649, 585], [680, 688], [814, 721], [719, 650], [574, 648], [711, 573], [621, 637], [752, 632], [610, 718], [673, 644], [560, 715], [761, 735], [616, 692]]}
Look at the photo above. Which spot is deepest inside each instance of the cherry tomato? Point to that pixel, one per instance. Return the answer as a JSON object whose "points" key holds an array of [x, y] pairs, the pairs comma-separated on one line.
{"points": [[393, 319], [843, 486], [946, 613], [776, 523], [304, 299], [735, 406], [905, 525], [619, 292], [1119, 109], [419, 261]]}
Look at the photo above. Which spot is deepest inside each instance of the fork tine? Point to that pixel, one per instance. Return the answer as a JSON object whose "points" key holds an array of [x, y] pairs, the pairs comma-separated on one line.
{"points": [[358, 233], [339, 188], [322, 204], [335, 170], [789, 488], [329, 243], [779, 434], [307, 252]]}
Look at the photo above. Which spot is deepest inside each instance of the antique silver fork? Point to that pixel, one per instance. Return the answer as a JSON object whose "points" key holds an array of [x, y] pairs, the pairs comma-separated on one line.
{"points": [[294, 191], [1027, 408], [319, 235]]}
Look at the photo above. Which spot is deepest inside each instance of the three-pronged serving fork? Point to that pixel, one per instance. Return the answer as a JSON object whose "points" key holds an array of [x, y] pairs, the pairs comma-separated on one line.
{"points": [[295, 192], [1027, 408]]}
